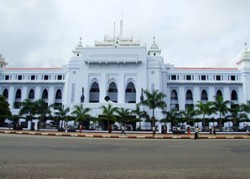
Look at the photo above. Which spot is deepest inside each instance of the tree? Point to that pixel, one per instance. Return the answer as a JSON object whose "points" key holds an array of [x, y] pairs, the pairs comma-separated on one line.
{"points": [[29, 109], [236, 116], [139, 114], [245, 107], [4, 109], [80, 112], [188, 115], [43, 110], [171, 116], [61, 114], [221, 106], [124, 115], [108, 112], [154, 100], [204, 109]]}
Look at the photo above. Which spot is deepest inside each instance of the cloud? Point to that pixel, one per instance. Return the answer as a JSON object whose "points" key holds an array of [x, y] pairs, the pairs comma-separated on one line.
{"points": [[190, 32]]}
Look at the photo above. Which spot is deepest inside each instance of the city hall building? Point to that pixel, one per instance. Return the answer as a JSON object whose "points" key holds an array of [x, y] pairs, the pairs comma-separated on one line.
{"points": [[121, 68]]}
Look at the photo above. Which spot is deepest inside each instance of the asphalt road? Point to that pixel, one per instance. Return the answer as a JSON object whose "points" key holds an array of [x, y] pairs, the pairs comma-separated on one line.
{"points": [[69, 157]]}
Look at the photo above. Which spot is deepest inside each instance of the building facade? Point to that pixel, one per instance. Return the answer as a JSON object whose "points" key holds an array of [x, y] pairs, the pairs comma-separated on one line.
{"points": [[120, 68]]}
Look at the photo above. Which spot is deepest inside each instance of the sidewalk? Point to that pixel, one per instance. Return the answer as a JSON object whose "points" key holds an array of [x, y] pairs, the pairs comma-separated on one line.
{"points": [[129, 135]]}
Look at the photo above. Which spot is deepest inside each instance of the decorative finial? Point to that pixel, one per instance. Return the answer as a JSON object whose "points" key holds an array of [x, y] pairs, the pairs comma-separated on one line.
{"points": [[245, 45]]}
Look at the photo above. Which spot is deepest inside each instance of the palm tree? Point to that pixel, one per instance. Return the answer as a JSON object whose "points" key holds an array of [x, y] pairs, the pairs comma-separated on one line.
{"points": [[108, 112], [80, 113], [221, 106], [154, 100], [171, 116], [245, 107], [43, 110], [4, 110], [28, 109], [61, 114], [204, 109], [140, 114], [124, 115], [188, 114], [236, 116]]}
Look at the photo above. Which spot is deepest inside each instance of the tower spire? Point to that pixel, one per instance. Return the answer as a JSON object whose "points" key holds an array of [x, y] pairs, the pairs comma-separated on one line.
{"points": [[114, 34], [121, 27]]}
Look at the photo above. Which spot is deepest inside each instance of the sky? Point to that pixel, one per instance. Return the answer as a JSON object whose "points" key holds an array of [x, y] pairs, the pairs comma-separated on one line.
{"points": [[190, 33]]}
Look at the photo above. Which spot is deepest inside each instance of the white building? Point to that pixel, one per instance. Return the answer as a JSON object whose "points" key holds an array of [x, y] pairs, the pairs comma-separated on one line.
{"points": [[120, 67]]}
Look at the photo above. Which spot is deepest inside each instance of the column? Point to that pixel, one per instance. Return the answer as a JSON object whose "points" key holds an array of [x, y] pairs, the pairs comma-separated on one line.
{"points": [[121, 89], [181, 98], [103, 88], [51, 95], [11, 97]]}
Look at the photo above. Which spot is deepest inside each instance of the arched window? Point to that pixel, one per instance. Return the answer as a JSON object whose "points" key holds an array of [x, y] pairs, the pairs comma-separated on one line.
{"points": [[18, 96], [234, 95], [189, 95], [113, 92], [58, 94], [45, 94], [204, 95], [112, 88], [174, 95], [94, 93], [130, 93], [5, 93], [94, 87], [31, 94], [219, 93]]}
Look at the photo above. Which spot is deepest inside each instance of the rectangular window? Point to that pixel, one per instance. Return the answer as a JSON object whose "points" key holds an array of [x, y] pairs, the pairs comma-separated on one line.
{"points": [[46, 77], [233, 78], [7, 77], [20, 77], [32, 77], [188, 77], [59, 77], [218, 78], [173, 77], [203, 77]]}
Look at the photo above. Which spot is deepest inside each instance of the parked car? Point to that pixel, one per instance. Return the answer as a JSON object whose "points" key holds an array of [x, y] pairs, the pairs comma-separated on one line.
{"points": [[180, 129]]}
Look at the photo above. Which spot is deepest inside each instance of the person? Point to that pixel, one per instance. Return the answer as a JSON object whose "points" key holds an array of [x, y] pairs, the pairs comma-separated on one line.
{"points": [[210, 130], [188, 130], [66, 128], [248, 130], [165, 129], [196, 131], [178, 130], [123, 130], [153, 131], [80, 129], [214, 131]]}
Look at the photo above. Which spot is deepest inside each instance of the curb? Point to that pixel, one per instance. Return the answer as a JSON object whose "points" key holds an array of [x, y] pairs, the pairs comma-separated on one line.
{"points": [[113, 136]]}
